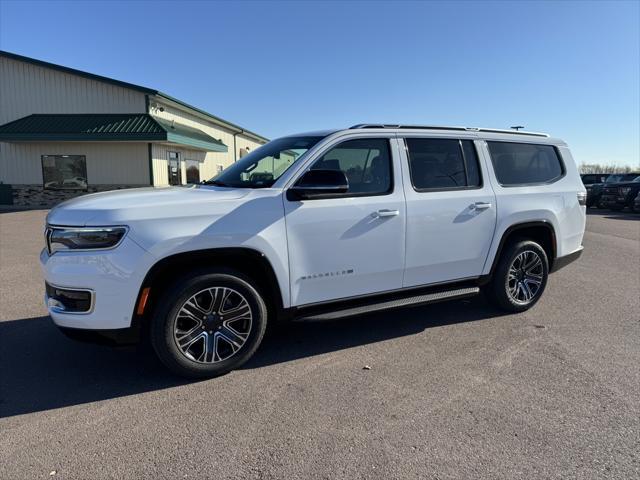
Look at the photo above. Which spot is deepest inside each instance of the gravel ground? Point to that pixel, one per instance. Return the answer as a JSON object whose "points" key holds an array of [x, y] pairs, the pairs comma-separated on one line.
{"points": [[455, 390]]}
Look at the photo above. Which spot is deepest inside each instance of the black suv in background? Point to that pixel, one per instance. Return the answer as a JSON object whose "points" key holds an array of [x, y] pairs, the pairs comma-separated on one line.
{"points": [[591, 178], [636, 204], [616, 196], [595, 190]]}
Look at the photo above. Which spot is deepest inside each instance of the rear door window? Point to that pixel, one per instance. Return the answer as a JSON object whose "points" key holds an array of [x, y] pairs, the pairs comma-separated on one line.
{"points": [[443, 164], [525, 163]]}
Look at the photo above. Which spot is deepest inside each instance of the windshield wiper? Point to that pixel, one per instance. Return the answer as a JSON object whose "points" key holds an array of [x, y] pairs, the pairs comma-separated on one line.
{"points": [[216, 182]]}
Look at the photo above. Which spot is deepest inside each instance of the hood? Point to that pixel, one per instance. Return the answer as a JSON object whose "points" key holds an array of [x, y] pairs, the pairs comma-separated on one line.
{"points": [[124, 206]]}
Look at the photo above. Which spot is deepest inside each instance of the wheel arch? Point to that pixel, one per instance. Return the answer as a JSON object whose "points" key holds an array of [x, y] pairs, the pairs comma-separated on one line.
{"points": [[541, 231], [248, 261]]}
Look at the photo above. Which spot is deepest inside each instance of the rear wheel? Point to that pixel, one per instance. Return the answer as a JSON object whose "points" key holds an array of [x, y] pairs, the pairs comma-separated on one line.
{"points": [[208, 324], [520, 277]]}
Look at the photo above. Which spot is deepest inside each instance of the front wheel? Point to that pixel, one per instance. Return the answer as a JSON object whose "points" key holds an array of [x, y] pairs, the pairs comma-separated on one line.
{"points": [[520, 277], [208, 324]]}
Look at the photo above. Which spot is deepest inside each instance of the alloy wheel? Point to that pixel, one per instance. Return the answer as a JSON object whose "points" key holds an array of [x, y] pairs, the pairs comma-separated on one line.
{"points": [[212, 325], [525, 277]]}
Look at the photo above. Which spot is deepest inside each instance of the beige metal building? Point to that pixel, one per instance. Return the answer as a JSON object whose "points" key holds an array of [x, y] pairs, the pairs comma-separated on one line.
{"points": [[64, 132]]}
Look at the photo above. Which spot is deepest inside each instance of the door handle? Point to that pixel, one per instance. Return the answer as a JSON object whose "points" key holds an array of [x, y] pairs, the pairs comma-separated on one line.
{"points": [[385, 213], [480, 206]]}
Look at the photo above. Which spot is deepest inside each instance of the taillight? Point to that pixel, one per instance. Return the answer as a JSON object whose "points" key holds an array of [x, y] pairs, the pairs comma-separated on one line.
{"points": [[582, 198]]}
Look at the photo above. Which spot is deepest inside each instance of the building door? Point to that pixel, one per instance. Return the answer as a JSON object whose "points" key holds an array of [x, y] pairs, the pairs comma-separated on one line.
{"points": [[175, 173]]}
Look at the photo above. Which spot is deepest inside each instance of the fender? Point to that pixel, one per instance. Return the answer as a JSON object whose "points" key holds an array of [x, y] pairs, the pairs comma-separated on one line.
{"points": [[247, 260], [549, 246]]}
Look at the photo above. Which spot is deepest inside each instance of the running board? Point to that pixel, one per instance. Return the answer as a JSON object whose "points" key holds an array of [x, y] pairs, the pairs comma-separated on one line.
{"points": [[387, 305]]}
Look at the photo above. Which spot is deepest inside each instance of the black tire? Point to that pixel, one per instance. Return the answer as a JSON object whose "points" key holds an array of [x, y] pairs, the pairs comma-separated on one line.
{"points": [[164, 336], [498, 288]]}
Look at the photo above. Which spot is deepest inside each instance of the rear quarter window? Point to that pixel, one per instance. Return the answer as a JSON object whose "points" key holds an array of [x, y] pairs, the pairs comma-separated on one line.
{"points": [[525, 163]]}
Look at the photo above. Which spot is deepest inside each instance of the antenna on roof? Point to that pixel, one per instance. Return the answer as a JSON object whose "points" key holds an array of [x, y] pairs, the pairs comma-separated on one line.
{"points": [[517, 127]]}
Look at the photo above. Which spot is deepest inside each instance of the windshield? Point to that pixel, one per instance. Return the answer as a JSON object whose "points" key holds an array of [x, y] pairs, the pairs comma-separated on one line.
{"points": [[262, 167]]}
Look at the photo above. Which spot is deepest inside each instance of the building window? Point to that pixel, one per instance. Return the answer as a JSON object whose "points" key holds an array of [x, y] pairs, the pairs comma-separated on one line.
{"points": [[193, 171], [64, 172], [243, 152], [175, 173]]}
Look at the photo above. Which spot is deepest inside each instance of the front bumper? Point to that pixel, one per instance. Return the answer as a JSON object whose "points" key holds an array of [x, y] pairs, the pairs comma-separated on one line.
{"points": [[114, 277], [562, 262]]}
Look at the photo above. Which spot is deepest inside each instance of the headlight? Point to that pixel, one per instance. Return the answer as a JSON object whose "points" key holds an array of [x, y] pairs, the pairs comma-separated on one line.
{"points": [[624, 190], [86, 238]]}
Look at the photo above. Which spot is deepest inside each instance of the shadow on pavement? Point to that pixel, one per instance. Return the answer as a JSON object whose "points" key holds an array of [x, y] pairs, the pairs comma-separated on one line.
{"points": [[305, 339], [40, 369]]}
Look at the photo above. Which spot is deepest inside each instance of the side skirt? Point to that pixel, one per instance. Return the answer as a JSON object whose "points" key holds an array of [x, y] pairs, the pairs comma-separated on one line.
{"points": [[385, 301]]}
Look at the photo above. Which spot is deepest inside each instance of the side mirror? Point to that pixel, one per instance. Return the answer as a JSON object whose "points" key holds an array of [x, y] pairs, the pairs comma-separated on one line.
{"points": [[319, 184]]}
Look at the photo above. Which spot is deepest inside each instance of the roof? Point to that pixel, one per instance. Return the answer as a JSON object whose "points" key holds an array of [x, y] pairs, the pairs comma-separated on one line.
{"points": [[104, 128], [131, 86]]}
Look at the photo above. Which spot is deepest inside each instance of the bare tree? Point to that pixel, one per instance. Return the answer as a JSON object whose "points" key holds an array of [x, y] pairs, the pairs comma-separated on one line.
{"points": [[604, 168]]}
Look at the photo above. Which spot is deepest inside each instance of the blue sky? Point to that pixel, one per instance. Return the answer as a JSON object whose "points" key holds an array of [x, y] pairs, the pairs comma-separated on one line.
{"points": [[569, 68]]}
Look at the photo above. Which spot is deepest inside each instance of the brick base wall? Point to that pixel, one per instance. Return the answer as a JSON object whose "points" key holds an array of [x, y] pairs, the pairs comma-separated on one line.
{"points": [[37, 196]]}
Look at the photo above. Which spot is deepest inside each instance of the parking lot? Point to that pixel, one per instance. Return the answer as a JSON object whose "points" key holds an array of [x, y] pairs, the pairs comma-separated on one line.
{"points": [[455, 390]]}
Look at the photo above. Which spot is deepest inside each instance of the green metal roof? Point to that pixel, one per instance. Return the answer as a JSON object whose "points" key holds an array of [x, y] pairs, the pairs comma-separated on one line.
{"points": [[184, 135], [106, 128], [145, 90]]}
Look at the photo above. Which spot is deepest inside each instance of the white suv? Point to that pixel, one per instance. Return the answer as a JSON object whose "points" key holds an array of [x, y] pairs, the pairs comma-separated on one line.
{"points": [[319, 225]]}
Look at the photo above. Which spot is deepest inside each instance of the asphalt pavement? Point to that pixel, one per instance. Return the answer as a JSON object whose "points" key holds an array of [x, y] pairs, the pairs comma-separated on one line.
{"points": [[454, 390]]}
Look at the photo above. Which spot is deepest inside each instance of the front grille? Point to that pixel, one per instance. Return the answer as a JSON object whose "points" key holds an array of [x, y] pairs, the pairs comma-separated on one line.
{"points": [[611, 190], [67, 300]]}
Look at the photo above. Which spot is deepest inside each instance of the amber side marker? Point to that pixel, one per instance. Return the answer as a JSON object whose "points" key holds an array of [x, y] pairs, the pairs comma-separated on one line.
{"points": [[143, 300]]}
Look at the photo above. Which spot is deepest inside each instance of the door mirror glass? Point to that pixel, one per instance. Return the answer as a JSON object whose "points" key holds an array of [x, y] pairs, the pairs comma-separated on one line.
{"points": [[319, 184]]}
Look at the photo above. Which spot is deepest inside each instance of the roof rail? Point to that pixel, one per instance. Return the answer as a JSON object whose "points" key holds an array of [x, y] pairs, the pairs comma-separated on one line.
{"points": [[437, 127]]}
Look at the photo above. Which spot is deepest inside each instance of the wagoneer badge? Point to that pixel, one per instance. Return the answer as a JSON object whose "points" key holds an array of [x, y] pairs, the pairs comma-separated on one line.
{"points": [[328, 274]]}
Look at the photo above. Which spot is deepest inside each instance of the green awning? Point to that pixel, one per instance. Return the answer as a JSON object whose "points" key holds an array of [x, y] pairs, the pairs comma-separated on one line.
{"points": [[106, 127], [184, 135]]}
